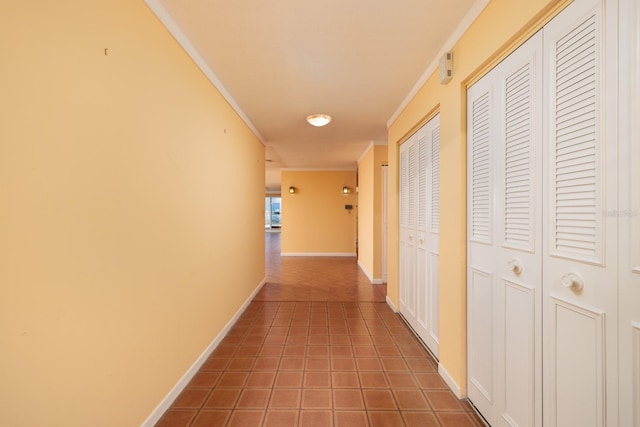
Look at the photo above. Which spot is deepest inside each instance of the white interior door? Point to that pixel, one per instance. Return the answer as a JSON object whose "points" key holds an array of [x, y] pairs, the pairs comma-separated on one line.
{"points": [[419, 198], [518, 282], [432, 237], [504, 297], [481, 321], [580, 249]]}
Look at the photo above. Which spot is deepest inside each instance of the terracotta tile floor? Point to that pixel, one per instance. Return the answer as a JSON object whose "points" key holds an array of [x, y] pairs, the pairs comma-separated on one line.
{"points": [[320, 350]]}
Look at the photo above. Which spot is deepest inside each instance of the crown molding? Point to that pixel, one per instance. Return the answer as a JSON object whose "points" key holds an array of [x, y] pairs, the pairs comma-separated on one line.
{"points": [[174, 29], [462, 27]]}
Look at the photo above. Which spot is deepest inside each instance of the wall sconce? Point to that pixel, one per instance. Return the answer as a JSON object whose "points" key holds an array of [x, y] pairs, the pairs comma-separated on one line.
{"points": [[292, 190], [346, 190]]}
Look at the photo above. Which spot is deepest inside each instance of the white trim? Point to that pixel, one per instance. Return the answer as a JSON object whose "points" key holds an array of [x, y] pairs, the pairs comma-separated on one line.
{"points": [[318, 254], [391, 305], [175, 30], [369, 276], [164, 405], [455, 388], [462, 27]]}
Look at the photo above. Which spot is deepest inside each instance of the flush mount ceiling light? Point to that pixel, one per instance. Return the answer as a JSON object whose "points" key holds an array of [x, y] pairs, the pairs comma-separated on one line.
{"points": [[319, 119]]}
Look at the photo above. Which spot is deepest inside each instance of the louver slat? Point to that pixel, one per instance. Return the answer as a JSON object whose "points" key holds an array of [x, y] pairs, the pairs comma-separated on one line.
{"points": [[577, 194], [480, 170], [435, 180], [518, 162]]}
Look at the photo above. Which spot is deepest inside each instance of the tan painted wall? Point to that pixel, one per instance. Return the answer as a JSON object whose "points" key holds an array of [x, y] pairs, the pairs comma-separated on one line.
{"points": [[366, 201], [370, 210], [314, 219], [131, 213], [380, 158], [503, 25]]}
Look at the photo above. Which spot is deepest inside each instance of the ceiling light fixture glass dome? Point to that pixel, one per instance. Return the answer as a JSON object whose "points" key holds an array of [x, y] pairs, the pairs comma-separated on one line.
{"points": [[319, 119]]}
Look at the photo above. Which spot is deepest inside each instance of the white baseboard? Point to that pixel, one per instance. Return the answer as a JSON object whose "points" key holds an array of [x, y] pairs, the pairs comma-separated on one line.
{"points": [[188, 376], [318, 254], [369, 276], [365, 271], [455, 388], [391, 304]]}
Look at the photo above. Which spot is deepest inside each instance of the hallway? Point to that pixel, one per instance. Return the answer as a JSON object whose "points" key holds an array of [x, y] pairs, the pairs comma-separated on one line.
{"points": [[318, 346]]}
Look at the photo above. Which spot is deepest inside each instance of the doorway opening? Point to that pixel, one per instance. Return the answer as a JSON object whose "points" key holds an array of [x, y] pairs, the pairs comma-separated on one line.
{"points": [[272, 212]]}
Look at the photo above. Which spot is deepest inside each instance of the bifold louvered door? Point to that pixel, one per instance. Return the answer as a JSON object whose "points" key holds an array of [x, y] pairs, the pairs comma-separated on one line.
{"points": [[504, 264], [580, 187], [419, 230], [543, 283]]}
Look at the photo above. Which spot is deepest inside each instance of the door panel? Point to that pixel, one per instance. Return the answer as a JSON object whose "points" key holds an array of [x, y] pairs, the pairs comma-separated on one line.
{"points": [[481, 321], [480, 333], [432, 239], [579, 353], [580, 249], [520, 303], [519, 257]]}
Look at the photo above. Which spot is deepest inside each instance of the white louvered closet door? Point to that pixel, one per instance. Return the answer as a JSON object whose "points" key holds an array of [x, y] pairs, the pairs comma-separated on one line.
{"points": [[504, 297], [431, 243], [426, 320], [518, 284], [481, 321], [419, 194], [580, 247]]}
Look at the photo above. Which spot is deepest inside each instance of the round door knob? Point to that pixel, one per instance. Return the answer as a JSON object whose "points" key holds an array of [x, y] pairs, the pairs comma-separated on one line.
{"points": [[515, 265], [572, 281]]}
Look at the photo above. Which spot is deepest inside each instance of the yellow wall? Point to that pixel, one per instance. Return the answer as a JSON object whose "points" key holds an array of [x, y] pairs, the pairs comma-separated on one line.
{"points": [[314, 220], [380, 158], [501, 26], [366, 200], [131, 213], [370, 210]]}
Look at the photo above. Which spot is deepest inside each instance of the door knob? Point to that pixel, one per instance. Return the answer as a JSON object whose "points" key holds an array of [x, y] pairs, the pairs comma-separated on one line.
{"points": [[515, 265], [572, 281]]}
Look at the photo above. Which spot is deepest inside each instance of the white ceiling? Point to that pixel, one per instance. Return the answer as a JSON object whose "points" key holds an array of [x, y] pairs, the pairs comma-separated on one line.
{"points": [[278, 61]]}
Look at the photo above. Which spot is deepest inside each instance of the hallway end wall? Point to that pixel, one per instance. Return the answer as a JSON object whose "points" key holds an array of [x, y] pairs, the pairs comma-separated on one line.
{"points": [[314, 218]]}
